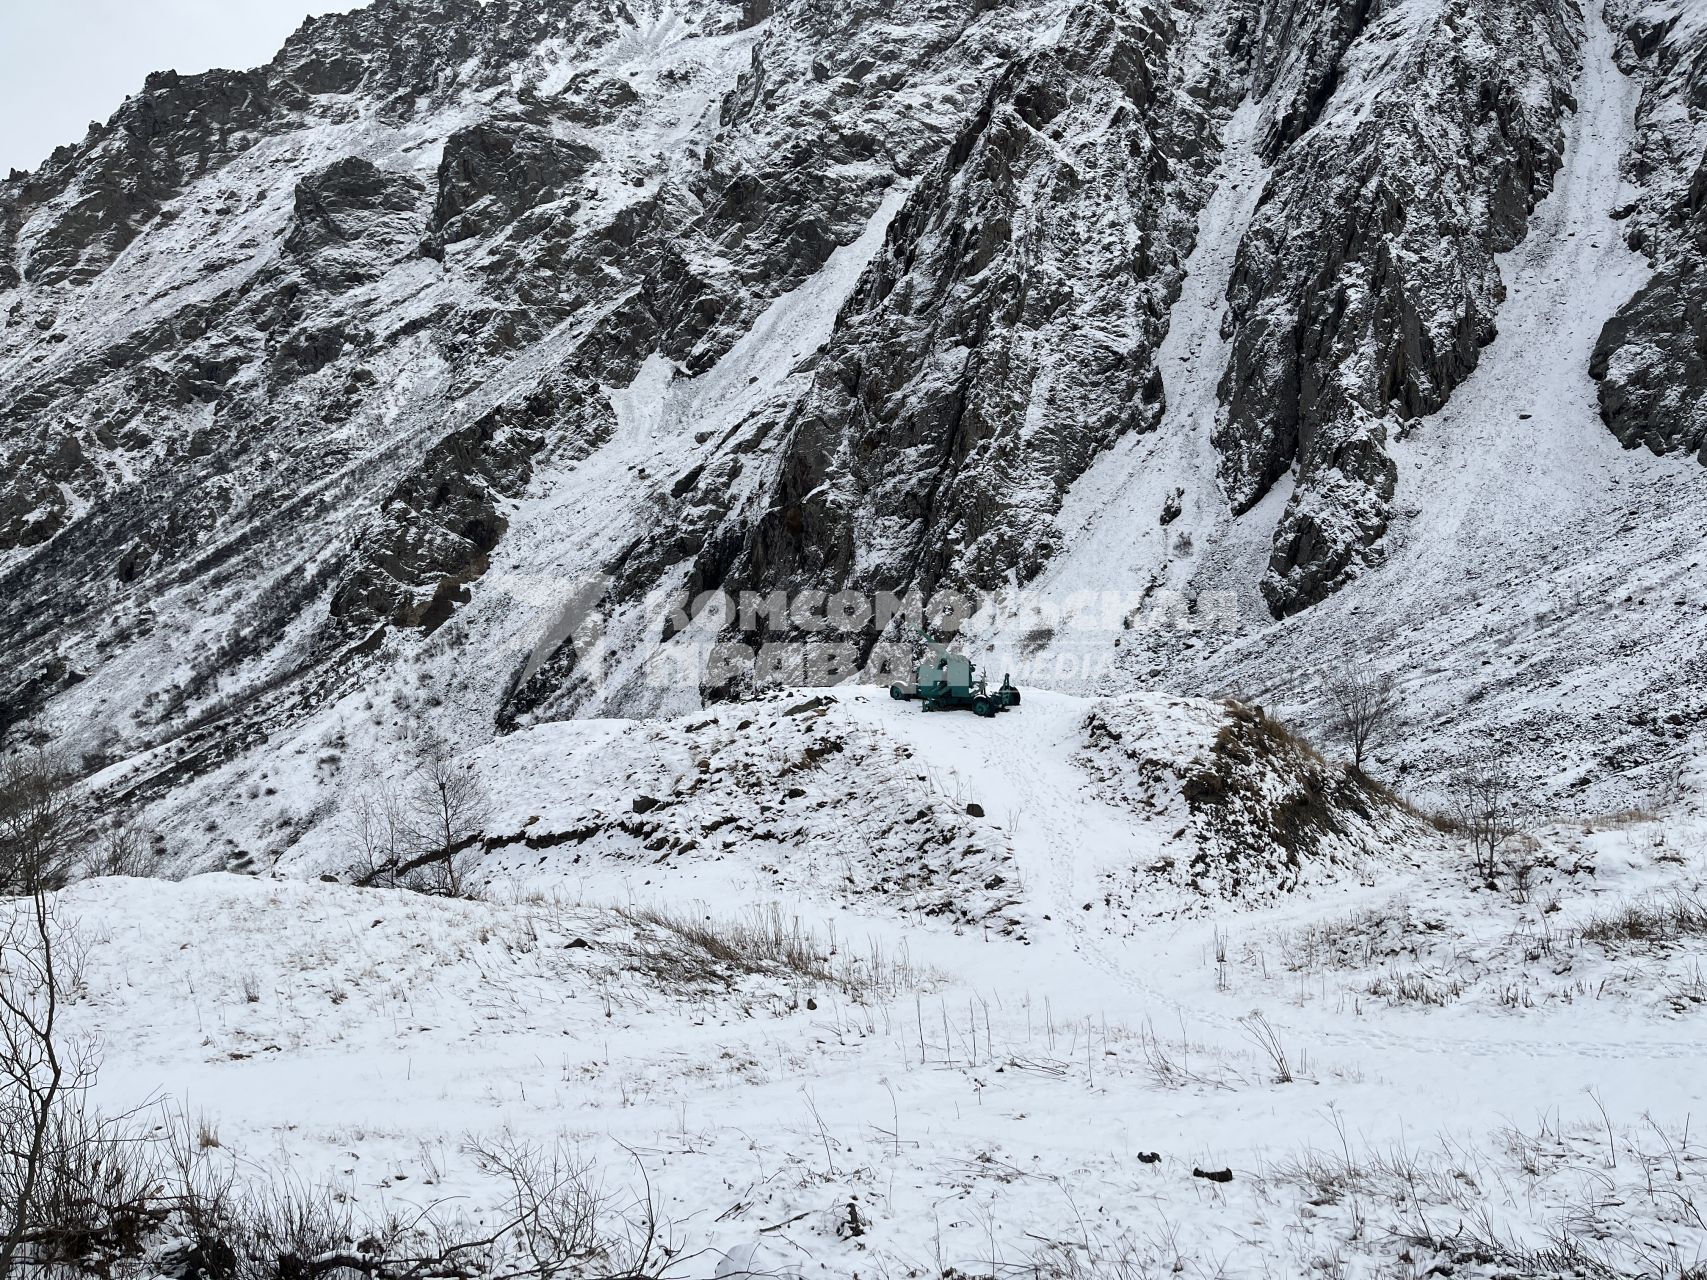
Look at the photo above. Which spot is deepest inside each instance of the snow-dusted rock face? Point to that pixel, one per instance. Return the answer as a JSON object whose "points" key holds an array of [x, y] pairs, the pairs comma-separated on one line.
{"points": [[1005, 334], [1410, 146], [343, 372], [380, 277], [1652, 357]]}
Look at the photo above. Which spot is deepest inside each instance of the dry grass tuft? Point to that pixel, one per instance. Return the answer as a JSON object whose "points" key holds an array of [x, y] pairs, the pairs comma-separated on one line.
{"points": [[1649, 920], [692, 948], [762, 941]]}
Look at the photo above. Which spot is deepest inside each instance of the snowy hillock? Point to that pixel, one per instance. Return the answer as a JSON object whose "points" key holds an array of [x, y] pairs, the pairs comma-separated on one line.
{"points": [[1169, 804], [797, 792], [1262, 813]]}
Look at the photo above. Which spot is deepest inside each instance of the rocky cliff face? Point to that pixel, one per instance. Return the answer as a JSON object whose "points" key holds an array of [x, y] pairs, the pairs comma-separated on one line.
{"points": [[1006, 332], [1408, 152], [1652, 357], [383, 273], [341, 371]]}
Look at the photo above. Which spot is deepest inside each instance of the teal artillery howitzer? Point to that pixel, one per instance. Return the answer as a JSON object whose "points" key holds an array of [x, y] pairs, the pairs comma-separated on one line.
{"points": [[946, 681]]}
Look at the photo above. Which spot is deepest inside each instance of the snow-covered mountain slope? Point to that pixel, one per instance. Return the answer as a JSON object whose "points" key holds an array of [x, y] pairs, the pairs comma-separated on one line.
{"points": [[501, 447], [1544, 592], [1167, 804], [416, 379]]}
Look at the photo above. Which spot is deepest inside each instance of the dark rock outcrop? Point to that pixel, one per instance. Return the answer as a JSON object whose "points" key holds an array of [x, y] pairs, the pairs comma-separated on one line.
{"points": [[11, 192], [352, 222], [434, 532], [1366, 284], [1005, 334], [177, 129], [496, 170], [1651, 360], [1296, 51]]}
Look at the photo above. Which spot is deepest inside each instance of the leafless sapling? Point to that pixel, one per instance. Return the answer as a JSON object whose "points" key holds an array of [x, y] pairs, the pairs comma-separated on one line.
{"points": [[43, 1075], [376, 833], [41, 823], [446, 810], [1484, 805], [1363, 709]]}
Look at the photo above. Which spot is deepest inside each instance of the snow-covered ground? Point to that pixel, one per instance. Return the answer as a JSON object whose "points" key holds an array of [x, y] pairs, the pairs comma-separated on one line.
{"points": [[980, 1083]]}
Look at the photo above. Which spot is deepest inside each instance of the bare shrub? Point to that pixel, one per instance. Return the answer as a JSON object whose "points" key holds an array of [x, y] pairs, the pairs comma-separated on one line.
{"points": [[1363, 708], [42, 1075], [1664, 850], [758, 942], [1617, 820], [553, 1221], [1688, 991], [96, 1197], [422, 834], [41, 823], [121, 1190], [763, 941], [1326, 1176], [1354, 941], [376, 833], [1520, 865], [117, 849], [1273, 733], [1484, 809], [280, 1226], [560, 1209], [1179, 1064], [1095, 1258], [446, 808], [1414, 987]]}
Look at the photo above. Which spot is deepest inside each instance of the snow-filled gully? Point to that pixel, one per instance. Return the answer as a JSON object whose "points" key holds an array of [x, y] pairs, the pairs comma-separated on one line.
{"points": [[1113, 538]]}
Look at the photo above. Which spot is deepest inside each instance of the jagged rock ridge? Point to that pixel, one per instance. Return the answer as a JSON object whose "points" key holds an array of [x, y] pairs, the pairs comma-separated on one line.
{"points": [[1366, 284]]}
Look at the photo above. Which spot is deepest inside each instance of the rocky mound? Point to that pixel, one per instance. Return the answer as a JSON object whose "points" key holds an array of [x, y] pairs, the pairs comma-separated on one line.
{"points": [[1258, 812], [791, 794]]}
